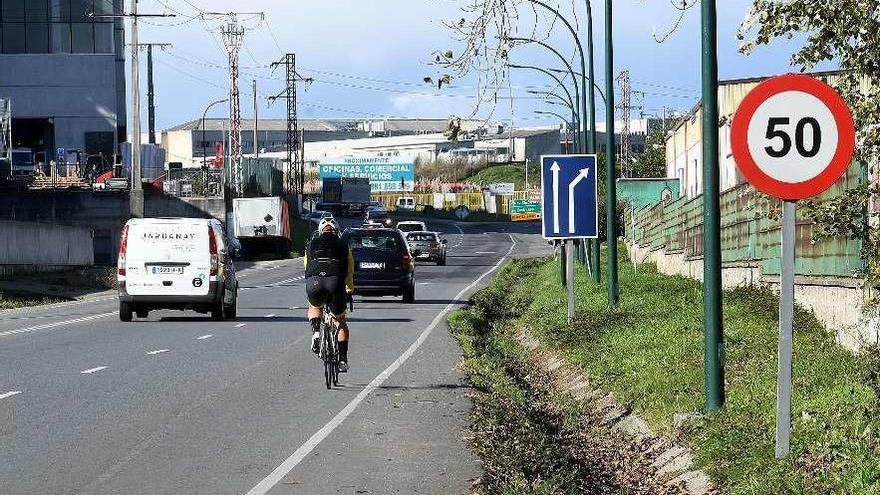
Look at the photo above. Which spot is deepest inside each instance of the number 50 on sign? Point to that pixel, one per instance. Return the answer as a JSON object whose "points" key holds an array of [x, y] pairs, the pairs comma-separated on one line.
{"points": [[793, 137]]}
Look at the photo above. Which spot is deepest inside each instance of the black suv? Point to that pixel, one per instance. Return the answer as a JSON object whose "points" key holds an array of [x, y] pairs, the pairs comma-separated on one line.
{"points": [[383, 263]]}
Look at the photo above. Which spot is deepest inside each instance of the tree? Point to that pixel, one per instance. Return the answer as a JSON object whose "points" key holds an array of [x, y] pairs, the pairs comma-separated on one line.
{"points": [[652, 163], [845, 33]]}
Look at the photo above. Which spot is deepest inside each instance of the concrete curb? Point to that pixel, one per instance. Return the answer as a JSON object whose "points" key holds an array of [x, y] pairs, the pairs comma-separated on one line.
{"points": [[673, 464]]}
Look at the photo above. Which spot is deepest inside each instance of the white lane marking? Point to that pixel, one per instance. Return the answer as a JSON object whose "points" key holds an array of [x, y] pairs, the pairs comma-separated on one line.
{"points": [[9, 394], [485, 252], [240, 325], [273, 285], [56, 324], [270, 315], [460, 236], [291, 462], [65, 304], [204, 337], [92, 370], [158, 351]]}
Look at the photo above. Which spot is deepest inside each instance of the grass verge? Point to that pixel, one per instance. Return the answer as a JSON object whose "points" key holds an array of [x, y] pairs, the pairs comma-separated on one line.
{"points": [[13, 301], [649, 352], [529, 440]]}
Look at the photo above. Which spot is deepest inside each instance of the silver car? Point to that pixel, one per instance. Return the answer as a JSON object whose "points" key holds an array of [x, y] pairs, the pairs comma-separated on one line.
{"points": [[427, 246]]}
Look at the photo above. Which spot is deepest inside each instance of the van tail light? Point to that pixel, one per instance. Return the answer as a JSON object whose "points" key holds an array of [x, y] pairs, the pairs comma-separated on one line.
{"points": [[406, 262], [215, 259], [123, 246]]}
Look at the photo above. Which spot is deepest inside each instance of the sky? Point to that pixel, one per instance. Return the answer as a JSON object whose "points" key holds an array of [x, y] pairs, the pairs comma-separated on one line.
{"points": [[368, 58]]}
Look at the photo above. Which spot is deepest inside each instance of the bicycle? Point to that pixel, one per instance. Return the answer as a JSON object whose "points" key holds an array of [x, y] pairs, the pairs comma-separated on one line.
{"points": [[329, 346]]}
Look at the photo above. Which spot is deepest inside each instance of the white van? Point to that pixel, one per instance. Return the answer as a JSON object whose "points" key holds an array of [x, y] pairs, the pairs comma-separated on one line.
{"points": [[175, 263], [406, 203]]}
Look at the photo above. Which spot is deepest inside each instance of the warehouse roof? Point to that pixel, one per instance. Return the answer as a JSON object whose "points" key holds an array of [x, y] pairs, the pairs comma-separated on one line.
{"points": [[214, 124]]}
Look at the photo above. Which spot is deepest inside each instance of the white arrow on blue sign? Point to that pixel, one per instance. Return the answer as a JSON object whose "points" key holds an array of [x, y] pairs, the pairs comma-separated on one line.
{"points": [[569, 196]]}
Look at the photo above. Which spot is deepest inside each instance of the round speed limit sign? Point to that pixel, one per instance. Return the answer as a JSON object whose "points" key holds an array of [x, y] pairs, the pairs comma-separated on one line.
{"points": [[793, 137]]}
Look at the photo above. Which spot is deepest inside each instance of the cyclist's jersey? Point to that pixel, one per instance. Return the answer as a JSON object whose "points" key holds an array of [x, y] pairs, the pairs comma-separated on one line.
{"points": [[329, 256]]}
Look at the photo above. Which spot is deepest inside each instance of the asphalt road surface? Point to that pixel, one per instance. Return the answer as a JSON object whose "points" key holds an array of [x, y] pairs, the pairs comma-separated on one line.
{"points": [[178, 404]]}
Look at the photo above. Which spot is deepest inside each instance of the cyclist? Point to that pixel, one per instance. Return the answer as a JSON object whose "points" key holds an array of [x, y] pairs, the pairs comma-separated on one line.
{"points": [[329, 278]]}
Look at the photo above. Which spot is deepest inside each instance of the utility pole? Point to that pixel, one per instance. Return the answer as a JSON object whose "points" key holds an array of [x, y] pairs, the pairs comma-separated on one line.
{"points": [[625, 107], [151, 94], [295, 168], [136, 196], [233, 37], [256, 120], [712, 316]]}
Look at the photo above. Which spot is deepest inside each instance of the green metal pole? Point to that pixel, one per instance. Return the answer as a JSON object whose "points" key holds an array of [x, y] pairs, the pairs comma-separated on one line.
{"points": [[610, 175], [595, 254], [714, 344]]}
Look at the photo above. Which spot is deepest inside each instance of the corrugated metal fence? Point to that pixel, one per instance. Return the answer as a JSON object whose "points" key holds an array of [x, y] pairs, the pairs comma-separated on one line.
{"points": [[45, 245], [749, 231]]}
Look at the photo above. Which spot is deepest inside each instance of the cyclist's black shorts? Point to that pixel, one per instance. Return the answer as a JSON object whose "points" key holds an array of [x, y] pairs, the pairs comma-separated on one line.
{"points": [[329, 291]]}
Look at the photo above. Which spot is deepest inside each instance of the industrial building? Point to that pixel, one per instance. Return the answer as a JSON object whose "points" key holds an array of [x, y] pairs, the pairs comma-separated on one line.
{"points": [[194, 141], [684, 145], [63, 71]]}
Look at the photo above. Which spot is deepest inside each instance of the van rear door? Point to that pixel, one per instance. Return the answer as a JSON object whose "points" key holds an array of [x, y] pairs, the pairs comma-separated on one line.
{"points": [[168, 257]]}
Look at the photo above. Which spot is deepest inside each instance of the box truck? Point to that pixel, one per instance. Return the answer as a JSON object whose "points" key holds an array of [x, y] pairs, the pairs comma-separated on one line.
{"points": [[262, 225]]}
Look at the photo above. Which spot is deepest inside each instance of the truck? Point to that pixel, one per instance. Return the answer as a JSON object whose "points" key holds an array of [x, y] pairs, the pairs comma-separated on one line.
{"points": [[262, 226], [345, 196]]}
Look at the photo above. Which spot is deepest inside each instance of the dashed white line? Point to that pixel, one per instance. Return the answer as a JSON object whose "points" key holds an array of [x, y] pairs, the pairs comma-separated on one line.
{"points": [[204, 337], [270, 315], [55, 325], [158, 351], [92, 370], [485, 252], [9, 394], [240, 325]]}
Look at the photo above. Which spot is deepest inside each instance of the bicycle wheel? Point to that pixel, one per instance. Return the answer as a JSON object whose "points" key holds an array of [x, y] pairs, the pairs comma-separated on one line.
{"points": [[328, 374]]}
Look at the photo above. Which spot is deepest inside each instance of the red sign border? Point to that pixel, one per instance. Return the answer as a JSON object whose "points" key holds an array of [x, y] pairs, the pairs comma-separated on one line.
{"points": [[739, 131]]}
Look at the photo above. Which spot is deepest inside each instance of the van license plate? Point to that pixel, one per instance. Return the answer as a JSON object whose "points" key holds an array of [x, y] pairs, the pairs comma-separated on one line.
{"points": [[166, 270], [372, 266]]}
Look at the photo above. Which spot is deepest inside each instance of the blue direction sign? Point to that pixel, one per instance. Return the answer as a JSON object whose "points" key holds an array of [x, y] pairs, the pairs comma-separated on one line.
{"points": [[569, 195]]}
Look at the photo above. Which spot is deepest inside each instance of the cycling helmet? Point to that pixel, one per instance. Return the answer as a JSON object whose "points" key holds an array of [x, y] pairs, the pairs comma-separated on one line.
{"points": [[328, 225]]}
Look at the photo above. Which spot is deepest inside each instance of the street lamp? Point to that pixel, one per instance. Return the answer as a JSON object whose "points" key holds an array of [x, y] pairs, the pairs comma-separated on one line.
{"points": [[580, 49], [559, 81], [565, 121], [204, 116], [540, 43], [559, 100]]}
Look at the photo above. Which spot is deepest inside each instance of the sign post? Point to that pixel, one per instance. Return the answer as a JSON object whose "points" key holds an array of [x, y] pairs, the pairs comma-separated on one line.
{"points": [[569, 200], [792, 137]]}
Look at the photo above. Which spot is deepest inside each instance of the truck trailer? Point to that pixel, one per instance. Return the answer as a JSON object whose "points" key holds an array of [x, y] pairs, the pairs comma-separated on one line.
{"points": [[262, 226], [345, 196]]}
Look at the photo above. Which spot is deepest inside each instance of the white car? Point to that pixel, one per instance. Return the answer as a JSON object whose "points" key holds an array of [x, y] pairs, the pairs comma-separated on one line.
{"points": [[411, 226], [175, 263]]}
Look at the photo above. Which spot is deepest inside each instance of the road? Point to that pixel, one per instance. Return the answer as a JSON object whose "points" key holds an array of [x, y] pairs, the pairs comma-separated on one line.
{"points": [[180, 404]]}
